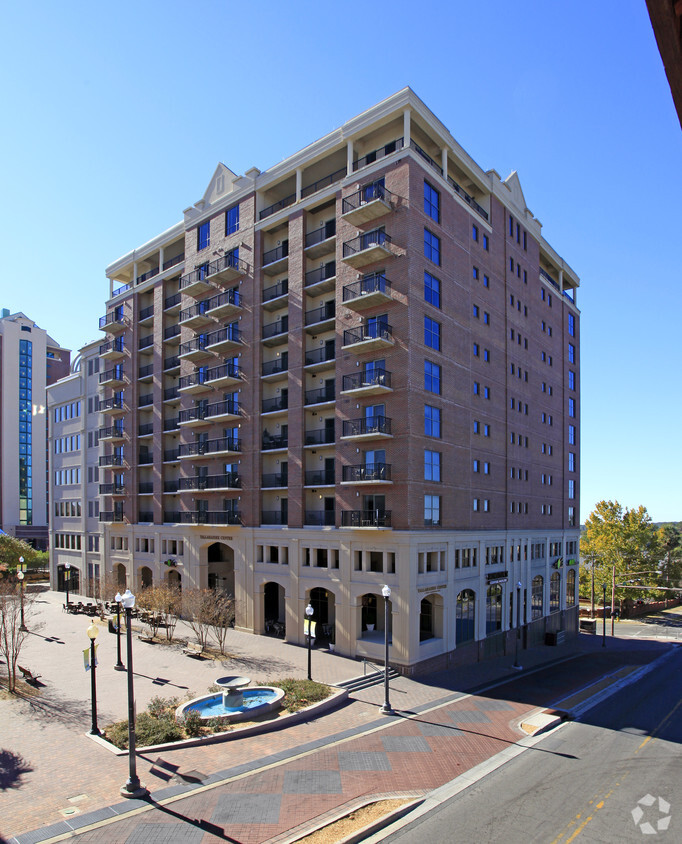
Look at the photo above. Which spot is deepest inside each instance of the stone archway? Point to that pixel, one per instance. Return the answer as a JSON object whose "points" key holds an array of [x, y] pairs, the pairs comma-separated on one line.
{"points": [[274, 609], [120, 577], [220, 558], [175, 579], [324, 605]]}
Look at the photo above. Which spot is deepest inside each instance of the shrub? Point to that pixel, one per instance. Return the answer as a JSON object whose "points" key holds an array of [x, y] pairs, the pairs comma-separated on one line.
{"points": [[192, 723], [300, 693], [150, 730], [117, 734]]}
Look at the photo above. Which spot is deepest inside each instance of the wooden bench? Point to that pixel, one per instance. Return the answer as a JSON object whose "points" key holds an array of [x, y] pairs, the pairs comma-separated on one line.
{"points": [[193, 649], [29, 676]]}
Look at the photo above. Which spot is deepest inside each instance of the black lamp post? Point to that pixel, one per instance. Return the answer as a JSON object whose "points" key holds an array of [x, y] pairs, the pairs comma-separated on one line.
{"points": [[133, 787], [309, 614], [518, 626], [119, 665], [92, 632], [386, 708], [603, 618], [20, 574], [67, 577]]}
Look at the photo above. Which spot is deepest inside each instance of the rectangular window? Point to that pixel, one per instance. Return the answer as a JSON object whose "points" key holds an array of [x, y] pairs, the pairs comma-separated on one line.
{"points": [[432, 510], [432, 377], [431, 202], [571, 353], [476, 350], [571, 434], [485, 242], [431, 333], [486, 281], [431, 290], [432, 246], [232, 220], [571, 408], [486, 355], [486, 430], [477, 388], [571, 461], [431, 465], [474, 232], [431, 421], [486, 318], [571, 489], [486, 392], [476, 311], [571, 325], [477, 466], [475, 272], [204, 235], [571, 379], [477, 426], [511, 226]]}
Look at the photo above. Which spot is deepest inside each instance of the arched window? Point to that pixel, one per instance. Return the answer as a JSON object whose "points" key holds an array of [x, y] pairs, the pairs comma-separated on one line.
{"points": [[493, 609], [537, 597], [145, 577], [465, 616], [425, 620], [570, 588], [555, 592]]}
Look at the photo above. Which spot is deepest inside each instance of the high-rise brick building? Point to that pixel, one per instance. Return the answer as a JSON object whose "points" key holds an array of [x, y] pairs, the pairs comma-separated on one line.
{"points": [[358, 368]]}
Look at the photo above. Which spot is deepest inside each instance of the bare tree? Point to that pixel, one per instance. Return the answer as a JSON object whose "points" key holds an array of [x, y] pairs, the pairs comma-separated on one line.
{"points": [[148, 600], [12, 637], [197, 611], [222, 616], [169, 605]]}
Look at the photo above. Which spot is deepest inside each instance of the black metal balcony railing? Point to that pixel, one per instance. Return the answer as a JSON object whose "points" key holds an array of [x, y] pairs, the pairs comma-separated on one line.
{"points": [[323, 394], [229, 333], [194, 379], [110, 516], [145, 371], [327, 311], [320, 274], [319, 436], [171, 393], [145, 342], [272, 329], [273, 517], [170, 486], [112, 318], [368, 193], [170, 455], [115, 374], [373, 378], [209, 446], [111, 460], [275, 403], [376, 154], [377, 237], [148, 274], [172, 301], [225, 370], [323, 233], [228, 261], [320, 355], [276, 254], [171, 363], [366, 518], [116, 345], [320, 518], [319, 477], [146, 516], [271, 441], [367, 472], [324, 182], [112, 489], [229, 297], [173, 262], [228, 480], [204, 517], [370, 331], [145, 458], [121, 289], [275, 479], [114, 403], [547, 277], [196, 344], [276, 290], [145, 313], [171, 331], [170, 424], [146, 400], [111, 431], [223, 408], [145, 429], [271, 367], [366, 425], [375, 283], [145, 487], [277, 206], [194, 310]]}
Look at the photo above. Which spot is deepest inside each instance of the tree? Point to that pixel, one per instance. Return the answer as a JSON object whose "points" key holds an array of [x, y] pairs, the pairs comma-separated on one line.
{"points": [[197, 610], [11, 549], [625, 539], [670, 539], [12, 637], [222, 616]]}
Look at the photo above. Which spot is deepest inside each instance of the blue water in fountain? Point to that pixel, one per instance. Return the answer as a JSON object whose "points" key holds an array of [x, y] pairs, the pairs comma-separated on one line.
{"points": [[212, 707]]}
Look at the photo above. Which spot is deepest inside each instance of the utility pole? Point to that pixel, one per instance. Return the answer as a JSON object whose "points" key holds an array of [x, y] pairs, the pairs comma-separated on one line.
{"points": [[613, 601]]}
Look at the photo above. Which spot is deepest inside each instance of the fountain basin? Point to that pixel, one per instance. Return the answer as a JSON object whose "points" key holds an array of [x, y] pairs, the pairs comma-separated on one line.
{"points": [[255, 702]]}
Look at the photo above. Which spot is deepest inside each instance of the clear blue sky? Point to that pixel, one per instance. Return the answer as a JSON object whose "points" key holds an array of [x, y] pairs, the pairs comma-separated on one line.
{"points": [[116, 114]]}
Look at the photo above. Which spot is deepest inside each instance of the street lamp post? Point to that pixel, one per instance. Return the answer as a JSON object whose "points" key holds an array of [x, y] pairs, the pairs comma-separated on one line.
{"points": [[386, 708], [92, 632], [20, 574], [133, 787], [518, 625], [67, 577], [309, 614], [119, 665], [603, 618]]}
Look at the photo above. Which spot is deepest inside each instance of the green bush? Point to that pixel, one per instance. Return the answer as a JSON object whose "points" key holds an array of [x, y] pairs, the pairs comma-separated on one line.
{"points": [[117, 734], [150, 730], [192, 723], [160, 706], [300, 693]]}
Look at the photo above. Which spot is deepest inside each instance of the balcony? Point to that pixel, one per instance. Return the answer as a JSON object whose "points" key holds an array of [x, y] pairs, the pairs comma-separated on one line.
{"points": [[112, 489], [227, 268], [171, 424], [193, 383], [210, 448], [274, 442], [171, 394], [371, 337], [112, 377], [146, 517], [171, 334], [276, 333], [170, 455], [224, 304], [223, 411], [146, 400], [113, 323], [366, 518], [273, 517], [194, 349], [272, 369], [145, 430], [374, 289], [321, 241], [275, 260], [275, 404], [112, 349], [146, 343], [378, 154], [320, 436], [221, 376], [171, 364], [174, 261], [146, 373], [324, 182], [367, 248], [277, 206], [224, 340], [323, 395], [321, 280], [274, 480], [111, 405], [319, 477], [195, 316], [203, 517], [145, 488], [145, 458], [113, 433], [320, 319], [192, 417], [195, 282], [111, 460], [368, 204], [367, 473], [171, 304], [273, 296], [170, 487], [146, 315], [322, 358], [110, 516], [320, 518], [370, 383], [229, 480], [367, 428]]}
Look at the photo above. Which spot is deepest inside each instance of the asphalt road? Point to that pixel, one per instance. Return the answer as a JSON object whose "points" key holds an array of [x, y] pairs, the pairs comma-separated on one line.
{"points": [[583, 781], [663, 625]]}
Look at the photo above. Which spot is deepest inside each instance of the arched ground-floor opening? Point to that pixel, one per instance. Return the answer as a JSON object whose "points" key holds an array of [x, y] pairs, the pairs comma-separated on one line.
{"points": [[323, 603], [146, 577], [221, 567], [120, 577], [175, 579], [274, 609]]}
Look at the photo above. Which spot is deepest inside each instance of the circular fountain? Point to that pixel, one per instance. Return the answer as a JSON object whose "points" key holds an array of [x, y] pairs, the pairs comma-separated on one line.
{"points": [[235, 702]]}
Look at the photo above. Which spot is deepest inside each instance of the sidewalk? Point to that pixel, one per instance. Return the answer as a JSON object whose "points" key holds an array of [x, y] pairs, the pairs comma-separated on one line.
{"points": [[259, 788]]}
